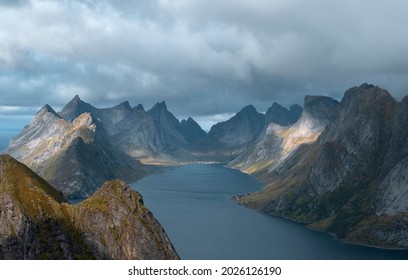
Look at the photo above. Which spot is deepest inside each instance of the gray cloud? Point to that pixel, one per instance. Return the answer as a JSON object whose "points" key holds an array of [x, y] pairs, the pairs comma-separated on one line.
{"points": [[202, 57], [13, 3]]}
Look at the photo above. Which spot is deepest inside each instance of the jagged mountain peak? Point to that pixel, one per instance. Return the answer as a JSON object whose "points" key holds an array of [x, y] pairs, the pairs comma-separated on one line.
{"points": [[76, 98], [366, 86], [47, 109], [139, 107], [183, 121], [241, 129], [159, 110], [75, 108], [159, 106], [249, 109], [280, 115], [124, 104], [276, 105], [188, 120], [191, 130]]}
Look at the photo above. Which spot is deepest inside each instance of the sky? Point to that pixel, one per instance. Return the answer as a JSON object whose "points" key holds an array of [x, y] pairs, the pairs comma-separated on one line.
{"points": [[207, 59]]}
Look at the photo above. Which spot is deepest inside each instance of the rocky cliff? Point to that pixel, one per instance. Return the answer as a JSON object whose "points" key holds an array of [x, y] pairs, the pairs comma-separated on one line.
{"points": [[36, 222], [351, 180], [277, 142]]}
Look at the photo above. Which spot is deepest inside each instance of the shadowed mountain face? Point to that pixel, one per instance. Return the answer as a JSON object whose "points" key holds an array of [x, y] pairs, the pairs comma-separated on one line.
{"points": [[36, 222], [75, 108], [282, 116], [191, 130], [351, 181], [241, 129]]}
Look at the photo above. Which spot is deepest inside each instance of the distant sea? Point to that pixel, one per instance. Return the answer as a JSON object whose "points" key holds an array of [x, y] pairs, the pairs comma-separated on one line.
{"points": [[5, 136]]}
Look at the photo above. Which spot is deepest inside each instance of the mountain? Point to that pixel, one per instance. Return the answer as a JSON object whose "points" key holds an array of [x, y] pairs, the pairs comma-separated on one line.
{"points": [[280, 115], [191, 130], [241, 129], [154, 136], [352, 180], [75, 108], [74, 156], [81, 147], [36, 222], [277, 142]]}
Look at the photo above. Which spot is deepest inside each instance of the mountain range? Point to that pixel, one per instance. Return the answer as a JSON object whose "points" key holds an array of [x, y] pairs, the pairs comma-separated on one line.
{"points": [[340, 167], [81, 147]]}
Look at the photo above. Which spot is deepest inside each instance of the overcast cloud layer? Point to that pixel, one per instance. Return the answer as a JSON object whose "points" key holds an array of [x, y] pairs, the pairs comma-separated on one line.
{"points": [[205, 58]]}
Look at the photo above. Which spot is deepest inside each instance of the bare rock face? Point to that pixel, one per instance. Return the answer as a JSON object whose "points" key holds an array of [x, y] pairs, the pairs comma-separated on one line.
{"points": [[36, 222], [74, 156], [277, 142], [352, 180], [115, 215], [241, 129]]}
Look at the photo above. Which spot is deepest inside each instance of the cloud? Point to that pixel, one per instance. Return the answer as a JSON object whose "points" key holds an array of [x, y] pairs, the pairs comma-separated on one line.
{"points": [[203, 57], [13, 3]]}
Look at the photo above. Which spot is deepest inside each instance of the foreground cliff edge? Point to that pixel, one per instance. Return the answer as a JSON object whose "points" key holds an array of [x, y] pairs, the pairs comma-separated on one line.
{"points": [[36, 222]]}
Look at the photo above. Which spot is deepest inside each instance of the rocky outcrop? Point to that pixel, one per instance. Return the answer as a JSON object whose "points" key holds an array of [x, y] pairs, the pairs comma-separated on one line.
{"points": [[36, 222], [116, 215], [351, 180]]}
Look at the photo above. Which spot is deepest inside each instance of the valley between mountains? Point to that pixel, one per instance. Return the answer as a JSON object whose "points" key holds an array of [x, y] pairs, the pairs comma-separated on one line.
{"points": [[339, 166]]}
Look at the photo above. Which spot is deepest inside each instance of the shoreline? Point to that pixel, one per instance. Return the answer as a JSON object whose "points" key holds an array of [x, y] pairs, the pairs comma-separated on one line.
{"points": [[334, 236]]}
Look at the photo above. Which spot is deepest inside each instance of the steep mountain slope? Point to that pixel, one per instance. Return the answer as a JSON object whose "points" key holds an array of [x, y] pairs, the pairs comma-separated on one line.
{"points": [[74, 156], [36, 222], [393, 195], [277, 142], [75, 108], [347, 181]]}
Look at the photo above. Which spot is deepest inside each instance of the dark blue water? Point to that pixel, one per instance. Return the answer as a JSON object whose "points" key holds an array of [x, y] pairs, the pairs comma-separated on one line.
{"points": [[193, 205]]}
